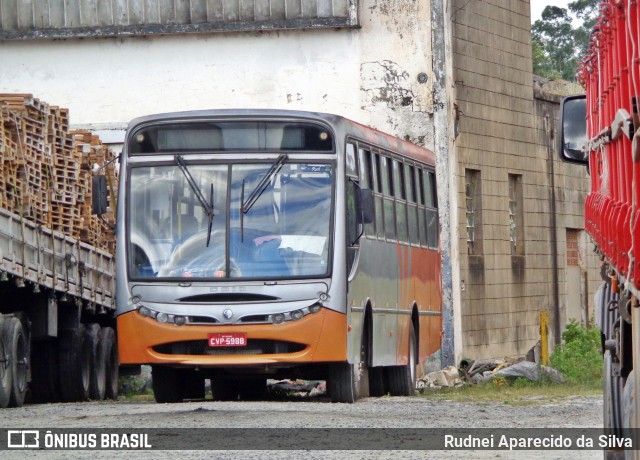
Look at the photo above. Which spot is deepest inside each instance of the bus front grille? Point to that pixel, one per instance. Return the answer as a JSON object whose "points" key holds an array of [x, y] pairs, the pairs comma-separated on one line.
{"points": [[254, 347]]}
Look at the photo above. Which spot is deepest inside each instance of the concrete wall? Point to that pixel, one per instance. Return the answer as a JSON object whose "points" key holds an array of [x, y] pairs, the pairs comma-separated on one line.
{"points": [[503, 132], [369, 74]]}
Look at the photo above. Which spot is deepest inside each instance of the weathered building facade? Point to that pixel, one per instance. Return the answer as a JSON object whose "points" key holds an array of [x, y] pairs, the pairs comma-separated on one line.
{"points": [[520, 244], [452, 76]]}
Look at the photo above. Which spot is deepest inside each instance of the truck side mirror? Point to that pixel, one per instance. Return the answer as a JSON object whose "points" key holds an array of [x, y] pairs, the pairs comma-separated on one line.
{"points": [[573, 130], [99, 200], [367, 205]]}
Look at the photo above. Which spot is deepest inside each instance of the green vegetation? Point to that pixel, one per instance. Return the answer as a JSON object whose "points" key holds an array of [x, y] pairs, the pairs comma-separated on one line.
{"points": [[578, 358], [558, 46]]}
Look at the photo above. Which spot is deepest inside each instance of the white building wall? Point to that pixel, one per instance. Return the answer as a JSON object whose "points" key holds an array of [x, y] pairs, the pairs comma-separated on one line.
{"points": [[368, 74]]}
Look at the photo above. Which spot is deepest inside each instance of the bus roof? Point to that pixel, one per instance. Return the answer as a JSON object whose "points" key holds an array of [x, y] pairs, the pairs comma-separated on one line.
{"points": [[342, 126]]}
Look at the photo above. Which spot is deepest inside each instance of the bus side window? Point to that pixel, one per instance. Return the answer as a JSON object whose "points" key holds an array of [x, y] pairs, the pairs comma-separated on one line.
{"points": [[378, 196], [350, 159], [387, 189], [401, 203], [422, 218], [432, 210], [412, 208], [366, 181]]}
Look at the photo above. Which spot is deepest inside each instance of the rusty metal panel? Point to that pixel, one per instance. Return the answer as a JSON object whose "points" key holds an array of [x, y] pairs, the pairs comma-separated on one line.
{"points": [[183, 11], [152, 12], [262, 10], [136, 12], [41, 19], [10, 15], [72, 13], [231, 10], [167, 12], [294, 9], [215, 10], [278, 10], [25, 14], [198, 11], [309, 8], [247, 12], [40, 15], [89, 13], [56, 13], [325, 8], [121, 12]]}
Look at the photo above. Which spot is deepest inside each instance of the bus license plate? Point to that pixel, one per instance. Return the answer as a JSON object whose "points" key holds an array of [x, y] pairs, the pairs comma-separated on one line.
{"points": [[228, 340]]}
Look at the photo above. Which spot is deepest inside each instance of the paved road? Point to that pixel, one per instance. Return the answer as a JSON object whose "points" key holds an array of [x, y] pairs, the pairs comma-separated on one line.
{"points": [[285, 419]]}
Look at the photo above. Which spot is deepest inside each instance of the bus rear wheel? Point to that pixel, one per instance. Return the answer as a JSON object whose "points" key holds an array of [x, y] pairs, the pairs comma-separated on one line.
{"points": [[402, 379]]}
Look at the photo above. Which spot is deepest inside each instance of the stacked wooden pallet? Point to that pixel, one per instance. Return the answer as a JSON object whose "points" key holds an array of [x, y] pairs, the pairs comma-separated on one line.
{"points": [[45, 170]]}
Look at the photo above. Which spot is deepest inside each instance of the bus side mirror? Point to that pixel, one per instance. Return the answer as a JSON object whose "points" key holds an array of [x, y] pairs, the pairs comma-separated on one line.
{"points": [[573, 130], [367, 205], [99, 200]]}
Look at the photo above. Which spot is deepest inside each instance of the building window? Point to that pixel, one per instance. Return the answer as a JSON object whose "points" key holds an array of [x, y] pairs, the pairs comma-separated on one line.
{"points": [[473, 197], [516, 215]]}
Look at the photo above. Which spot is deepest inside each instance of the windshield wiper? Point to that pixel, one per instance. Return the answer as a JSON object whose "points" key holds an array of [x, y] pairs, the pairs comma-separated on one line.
{"points": [[262, 185], [207, 206]]}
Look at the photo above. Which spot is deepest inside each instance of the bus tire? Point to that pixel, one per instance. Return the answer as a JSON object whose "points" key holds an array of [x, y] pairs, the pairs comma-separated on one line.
{"points": [[252, 389], [402, 379], [97, 375], [223, 389], [5, 368], [109, 354], [17, 351], [612, 396], [191, 383], [165, 384], [44, 372], [344, 383], [376, 381], [75, 365]]}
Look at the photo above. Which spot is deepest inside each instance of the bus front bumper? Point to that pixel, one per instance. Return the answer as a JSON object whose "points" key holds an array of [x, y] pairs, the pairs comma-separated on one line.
{"points": [[319, 337]]}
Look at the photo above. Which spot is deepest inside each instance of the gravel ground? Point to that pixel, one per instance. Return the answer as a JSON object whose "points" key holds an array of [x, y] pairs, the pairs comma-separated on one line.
{"points": [[387, 412]]}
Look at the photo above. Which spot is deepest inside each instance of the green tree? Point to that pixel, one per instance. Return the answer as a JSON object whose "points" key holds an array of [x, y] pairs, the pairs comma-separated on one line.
{"points": [[557, 46]]}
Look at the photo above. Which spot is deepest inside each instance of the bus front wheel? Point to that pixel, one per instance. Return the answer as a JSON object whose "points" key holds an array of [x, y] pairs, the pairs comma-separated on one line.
{"points": [[344, 382], [165, 384]]}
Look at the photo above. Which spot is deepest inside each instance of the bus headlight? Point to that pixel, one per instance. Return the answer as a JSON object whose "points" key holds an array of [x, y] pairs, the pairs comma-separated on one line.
{"points": [[162, 318], [315, 308], [179, 320], [297, 314], [278, 318]]}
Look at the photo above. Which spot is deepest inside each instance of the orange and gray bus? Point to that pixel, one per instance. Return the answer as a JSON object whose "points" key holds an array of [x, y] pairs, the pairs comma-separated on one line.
{"points": [[266, 244]]}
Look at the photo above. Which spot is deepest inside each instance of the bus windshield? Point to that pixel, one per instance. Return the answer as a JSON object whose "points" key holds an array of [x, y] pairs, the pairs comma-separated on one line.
{"points": [[284, 234]]}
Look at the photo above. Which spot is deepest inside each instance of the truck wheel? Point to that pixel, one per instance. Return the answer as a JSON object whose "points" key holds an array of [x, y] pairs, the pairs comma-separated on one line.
{"points": [[376, 381], [165, 384], [44, 371], [75, 365], [613, 388], [97, 375], [109, 356], [402, 379], [5, 368], [18, 353]]}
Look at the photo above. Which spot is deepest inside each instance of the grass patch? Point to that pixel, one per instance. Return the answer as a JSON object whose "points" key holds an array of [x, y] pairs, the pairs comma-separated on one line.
{"points": [[517, 392], [578, 358]]}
